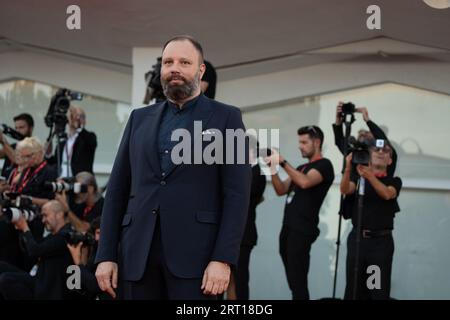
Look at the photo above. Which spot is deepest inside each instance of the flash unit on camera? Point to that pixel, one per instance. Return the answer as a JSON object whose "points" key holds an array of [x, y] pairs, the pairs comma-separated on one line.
{"points": [[379, 143]]}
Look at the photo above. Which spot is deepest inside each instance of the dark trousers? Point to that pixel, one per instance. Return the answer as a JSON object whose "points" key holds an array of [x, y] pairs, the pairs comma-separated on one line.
{"points": [[373, 251], [158, 283], [242, 274], [15, 284], [294, 251]]}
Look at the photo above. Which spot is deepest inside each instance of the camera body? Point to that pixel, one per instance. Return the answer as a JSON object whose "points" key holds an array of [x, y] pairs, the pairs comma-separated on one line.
{"points": [[75, 237], [12, 133], [154, 87], [348, 109], [360, 151], [57, 110]]}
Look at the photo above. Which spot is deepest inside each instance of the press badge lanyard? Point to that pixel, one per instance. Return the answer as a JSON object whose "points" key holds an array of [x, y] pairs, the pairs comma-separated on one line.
{"points": [[26, 177], [302, 170]]}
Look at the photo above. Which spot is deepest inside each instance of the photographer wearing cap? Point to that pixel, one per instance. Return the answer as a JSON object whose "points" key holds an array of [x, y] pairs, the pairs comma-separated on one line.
{"points": [[306, 188], [82, 207], [49, 281], [377, 211], [24, 125], [363, 135]]}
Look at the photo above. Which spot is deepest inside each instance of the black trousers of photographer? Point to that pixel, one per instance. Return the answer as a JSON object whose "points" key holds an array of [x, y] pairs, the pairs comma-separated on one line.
{"points": [[294, 250], [376, 251]]}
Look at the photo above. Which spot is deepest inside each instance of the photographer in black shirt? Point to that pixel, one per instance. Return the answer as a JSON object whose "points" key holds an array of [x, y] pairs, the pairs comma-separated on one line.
{"points": [[52, 255], [306, 188], [85, 206], [363, 135], [83, 255], [376, 246]]}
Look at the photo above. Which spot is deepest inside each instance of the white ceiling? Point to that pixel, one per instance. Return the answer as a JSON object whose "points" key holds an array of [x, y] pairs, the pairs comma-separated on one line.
{"points": [[233, 33]]}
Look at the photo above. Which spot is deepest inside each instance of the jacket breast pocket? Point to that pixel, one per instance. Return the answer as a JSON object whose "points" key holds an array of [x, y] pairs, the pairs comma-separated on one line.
{"points": [[208, 217], [126, 220]]}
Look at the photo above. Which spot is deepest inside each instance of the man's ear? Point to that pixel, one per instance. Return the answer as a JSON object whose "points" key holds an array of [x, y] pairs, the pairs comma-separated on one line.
{"points": [[389, 162], [317, 143], [202, 69]]}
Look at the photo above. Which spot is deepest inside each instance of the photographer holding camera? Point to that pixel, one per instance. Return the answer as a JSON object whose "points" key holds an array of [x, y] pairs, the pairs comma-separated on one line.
{"points": [[363, 135], [306, 188], [83, 255], [85, 206], [25, 191], [24, 125], [49, 281], [77, 152], [374, 246]]}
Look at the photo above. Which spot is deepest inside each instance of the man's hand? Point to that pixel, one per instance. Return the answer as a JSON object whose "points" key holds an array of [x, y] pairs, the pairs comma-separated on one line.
{"points": [[365, 172], [4, 186], [75, 251], [21, 224], [364, 112], [338, 113], [216, 278], [273, 160], [348, 160], [62, 198], [107, 274]]}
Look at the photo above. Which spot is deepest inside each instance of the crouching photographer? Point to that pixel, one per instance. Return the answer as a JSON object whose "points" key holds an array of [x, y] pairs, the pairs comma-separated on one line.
{"points": [[81, 199], [374, 205], [47, 280], [83, 248]]}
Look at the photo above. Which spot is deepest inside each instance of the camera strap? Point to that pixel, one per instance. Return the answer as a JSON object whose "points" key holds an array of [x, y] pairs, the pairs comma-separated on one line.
{"points": [[26, 177], [87, 210]]}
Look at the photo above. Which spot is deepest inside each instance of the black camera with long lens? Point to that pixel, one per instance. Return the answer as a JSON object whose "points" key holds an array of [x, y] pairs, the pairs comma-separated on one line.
{"points": [[57, 110], [75, 237], [68, 184], [154, 87], [18, 206], [360, 151], [12, 133]]}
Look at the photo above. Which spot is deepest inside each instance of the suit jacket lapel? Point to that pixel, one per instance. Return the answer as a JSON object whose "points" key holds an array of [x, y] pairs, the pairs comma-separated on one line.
{"points": [[151, 139]]}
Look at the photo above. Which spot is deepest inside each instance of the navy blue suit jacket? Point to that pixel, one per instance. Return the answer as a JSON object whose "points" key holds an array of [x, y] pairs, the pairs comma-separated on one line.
{"points": [[203, 208]]}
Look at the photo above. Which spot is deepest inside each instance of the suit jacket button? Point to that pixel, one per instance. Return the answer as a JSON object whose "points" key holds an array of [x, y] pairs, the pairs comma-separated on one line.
{"points": [[154, 211], [163, 183]]}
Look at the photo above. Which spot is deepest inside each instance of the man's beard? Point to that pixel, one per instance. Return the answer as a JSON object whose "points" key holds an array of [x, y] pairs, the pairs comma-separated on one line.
{"points": [[308, 155], [180, 92]]}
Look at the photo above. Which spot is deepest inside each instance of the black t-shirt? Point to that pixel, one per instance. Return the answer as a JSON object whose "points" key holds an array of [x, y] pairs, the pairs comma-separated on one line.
{"points": [[210, 76], [378, 214], [86, 215], [301, 211]]}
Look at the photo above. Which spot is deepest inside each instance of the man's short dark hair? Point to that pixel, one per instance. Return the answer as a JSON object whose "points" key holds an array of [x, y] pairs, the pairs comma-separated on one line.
{"points": [[314, 132], [194, 42], [25, 117]]}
